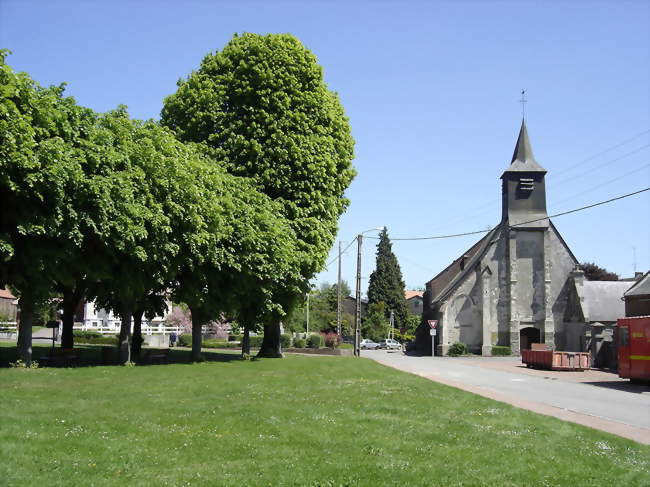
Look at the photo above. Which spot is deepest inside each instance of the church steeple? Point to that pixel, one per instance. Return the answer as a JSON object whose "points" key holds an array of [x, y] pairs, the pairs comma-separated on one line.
{"points": [[524, 192], [523, 159]]}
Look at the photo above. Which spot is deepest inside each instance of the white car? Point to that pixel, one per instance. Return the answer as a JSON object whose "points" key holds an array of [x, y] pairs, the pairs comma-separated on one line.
{"points": [[367, 344], [390, 344]]}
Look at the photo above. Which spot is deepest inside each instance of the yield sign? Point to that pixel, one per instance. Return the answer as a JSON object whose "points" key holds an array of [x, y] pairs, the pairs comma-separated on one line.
{"points": [[433, 324]]}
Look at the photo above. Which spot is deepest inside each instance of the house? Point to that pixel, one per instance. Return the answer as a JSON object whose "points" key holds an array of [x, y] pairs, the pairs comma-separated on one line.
{"points": [[89, 317], [414, 302], [8, 307], [637, 297], [510, 288], [593, 307]]}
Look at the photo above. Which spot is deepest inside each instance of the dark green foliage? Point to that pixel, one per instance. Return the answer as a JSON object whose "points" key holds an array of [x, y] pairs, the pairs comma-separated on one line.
{"points": [[285, 340], [594, 272], [101, 340], [411, 323], [86, 334], [386, 284], [457, 349], [256, 341], [211, 343], [299, 343], [235, 338], [185, 340], [499, 351], [375, 324], [315, 341]]}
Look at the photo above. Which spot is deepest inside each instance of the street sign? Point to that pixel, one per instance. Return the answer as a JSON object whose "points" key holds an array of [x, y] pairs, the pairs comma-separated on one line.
{"points": [[432, 332], [433, 324]]}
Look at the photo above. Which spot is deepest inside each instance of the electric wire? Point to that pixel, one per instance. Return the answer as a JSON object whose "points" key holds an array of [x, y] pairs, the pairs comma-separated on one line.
{"points": [[523, 223]]}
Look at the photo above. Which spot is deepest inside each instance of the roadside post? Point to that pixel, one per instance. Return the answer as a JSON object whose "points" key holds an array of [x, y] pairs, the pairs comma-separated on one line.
{"points": [[433, 324]]}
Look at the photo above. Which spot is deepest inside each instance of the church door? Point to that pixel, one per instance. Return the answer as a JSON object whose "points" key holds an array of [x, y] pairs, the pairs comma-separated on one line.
{"points": [[527, 336]]}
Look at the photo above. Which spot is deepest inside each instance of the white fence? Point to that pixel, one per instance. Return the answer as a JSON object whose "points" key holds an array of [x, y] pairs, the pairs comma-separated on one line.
{"points": [[156, 329]]}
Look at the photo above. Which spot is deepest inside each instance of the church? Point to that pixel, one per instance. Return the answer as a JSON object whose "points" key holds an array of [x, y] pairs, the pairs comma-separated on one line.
{"points": [[511, 287]]}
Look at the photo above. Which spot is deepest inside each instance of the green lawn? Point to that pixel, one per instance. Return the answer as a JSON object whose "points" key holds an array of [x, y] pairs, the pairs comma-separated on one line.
{"points": [[298, 421]]}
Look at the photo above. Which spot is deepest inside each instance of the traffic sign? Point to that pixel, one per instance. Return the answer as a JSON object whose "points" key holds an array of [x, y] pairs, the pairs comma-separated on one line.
{"points": [[433, 324], [432, 332]]}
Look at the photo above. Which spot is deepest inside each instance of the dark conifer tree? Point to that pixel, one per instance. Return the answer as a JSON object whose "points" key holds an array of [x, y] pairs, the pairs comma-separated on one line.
{"points": [[386, 284]]}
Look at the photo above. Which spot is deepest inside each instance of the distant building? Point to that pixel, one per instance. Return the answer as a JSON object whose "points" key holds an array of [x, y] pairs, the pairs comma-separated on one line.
{"points": [[510, 288], [89, 316], [414, 302], [8, 306], [590, 317], [637, 297]]}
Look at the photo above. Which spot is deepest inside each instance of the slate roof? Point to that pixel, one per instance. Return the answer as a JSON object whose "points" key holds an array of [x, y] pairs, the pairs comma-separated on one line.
{"points": [[603, 300], [641, 287], [523, 159], [450, 277]]}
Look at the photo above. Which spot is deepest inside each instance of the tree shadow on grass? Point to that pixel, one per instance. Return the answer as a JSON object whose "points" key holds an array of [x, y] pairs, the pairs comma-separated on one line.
{"points": [[106, 355]]}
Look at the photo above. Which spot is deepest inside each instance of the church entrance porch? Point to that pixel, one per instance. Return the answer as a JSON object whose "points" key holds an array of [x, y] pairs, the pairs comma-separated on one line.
{"points": [[527, 336]]}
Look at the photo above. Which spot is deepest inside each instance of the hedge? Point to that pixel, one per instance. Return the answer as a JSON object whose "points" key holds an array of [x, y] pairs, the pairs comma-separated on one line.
{"points": [[315, 341], [100, 340], [458, 348], [285, 340], [501, 351]]}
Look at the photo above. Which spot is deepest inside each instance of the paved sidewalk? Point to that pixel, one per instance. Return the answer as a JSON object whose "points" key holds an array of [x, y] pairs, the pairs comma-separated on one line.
{"points": [[592, 398]]}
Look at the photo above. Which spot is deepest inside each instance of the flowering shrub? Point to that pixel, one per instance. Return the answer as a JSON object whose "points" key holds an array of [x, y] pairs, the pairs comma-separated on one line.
{"points": [[332, 340]]}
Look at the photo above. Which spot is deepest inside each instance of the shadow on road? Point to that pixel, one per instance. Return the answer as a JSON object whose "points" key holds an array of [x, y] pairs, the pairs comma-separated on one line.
{"points": [[621, 386]]}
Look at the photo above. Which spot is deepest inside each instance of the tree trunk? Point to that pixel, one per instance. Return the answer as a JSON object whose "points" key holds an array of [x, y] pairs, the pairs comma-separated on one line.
{"points": [[71, 299], [271, 347], [126, 313], [246, 342], [197, 338], [27, 307], [136, 340]]}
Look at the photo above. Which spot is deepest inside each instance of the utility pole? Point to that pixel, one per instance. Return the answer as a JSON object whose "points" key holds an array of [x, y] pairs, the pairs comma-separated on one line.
{"points": [[338, 297], [357, 317], [392, 324]]}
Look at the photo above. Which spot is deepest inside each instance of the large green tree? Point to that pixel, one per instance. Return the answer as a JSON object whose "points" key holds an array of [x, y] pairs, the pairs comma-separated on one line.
{"points": [[260, 107], [385, 284], [41, 227]]}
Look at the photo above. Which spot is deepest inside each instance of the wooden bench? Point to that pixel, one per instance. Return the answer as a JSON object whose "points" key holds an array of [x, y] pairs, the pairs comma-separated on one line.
{"points": [[157, 355], [61, 358]]}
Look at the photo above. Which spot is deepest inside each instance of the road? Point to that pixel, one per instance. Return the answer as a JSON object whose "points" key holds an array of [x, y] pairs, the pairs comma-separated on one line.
{"points": [[593, 398]]}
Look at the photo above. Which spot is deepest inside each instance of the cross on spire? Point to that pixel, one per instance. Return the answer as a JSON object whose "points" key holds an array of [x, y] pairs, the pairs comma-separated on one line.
{"points": [[522, 101]]}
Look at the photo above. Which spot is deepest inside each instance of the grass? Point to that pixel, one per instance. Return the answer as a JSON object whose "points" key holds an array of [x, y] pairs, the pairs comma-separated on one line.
{"points": [[318, 421]]}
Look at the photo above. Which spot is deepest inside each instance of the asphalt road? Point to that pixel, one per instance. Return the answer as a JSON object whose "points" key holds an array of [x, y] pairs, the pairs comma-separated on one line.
{"points": [[599, 395]]}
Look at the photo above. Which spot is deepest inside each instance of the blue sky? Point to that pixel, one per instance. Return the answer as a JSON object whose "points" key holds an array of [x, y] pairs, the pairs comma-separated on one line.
{"points": [[431, 89]]}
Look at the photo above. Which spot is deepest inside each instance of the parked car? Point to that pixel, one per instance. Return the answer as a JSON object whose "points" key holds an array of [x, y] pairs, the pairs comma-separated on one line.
{"points": [[367, 344], [390, 344]]}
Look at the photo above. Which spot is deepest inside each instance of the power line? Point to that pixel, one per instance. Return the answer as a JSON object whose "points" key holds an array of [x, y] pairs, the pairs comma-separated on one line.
{"points": [[486, 208], [524, 223], [342, 252], [604, 151]]}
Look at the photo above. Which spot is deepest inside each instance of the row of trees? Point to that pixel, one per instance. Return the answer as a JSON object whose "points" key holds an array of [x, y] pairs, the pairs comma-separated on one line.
{"points": [[230, 203]]}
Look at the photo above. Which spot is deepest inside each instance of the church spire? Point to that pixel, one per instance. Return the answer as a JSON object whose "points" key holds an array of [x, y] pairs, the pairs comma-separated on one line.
{"points": [[523, 159]]}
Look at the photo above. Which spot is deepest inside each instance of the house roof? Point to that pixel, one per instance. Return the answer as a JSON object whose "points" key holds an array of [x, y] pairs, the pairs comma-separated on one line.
{"points": [[412, 294], [640, 287], [603, 300], [6, 294], [523, 159]]}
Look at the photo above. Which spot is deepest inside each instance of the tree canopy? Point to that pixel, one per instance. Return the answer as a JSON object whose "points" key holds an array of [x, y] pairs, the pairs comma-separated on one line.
{"points": [[385, 284], [594, 272], [261, 109]]}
